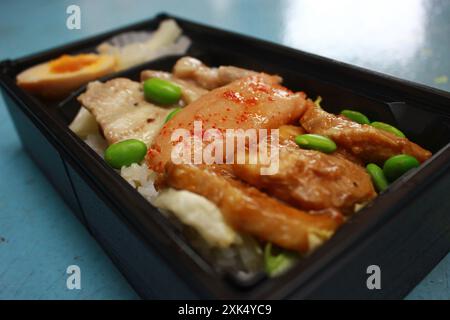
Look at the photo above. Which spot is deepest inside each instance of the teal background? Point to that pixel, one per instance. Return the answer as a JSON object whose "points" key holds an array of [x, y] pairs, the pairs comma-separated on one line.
{"points": [[39, 237]]}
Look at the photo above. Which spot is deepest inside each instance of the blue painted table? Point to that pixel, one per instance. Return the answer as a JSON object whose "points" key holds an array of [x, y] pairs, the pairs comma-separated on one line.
{"points": [[39, 237]]}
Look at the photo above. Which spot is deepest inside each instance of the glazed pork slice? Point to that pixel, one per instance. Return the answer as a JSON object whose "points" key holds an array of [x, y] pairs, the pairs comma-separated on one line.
{"points": [[362, 141], [255, 102], [287, 134], [311, 180], [250, 211], [120, 109], [209, 78], [189, 90]]}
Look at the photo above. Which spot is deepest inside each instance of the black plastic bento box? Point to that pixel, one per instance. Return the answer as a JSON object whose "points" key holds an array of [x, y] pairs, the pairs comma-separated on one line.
{"points": [[405, 231]]}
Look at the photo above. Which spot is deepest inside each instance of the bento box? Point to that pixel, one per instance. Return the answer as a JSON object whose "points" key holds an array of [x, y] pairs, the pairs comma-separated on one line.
{"points": [[403, 233]]}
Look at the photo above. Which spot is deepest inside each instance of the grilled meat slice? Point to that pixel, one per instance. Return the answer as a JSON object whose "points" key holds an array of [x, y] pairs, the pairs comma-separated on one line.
{"points": [[289, 132], [189, 90], [251, 211], [311, 180], [363, 141], [255, 102], [189, 68], [120, 109]]}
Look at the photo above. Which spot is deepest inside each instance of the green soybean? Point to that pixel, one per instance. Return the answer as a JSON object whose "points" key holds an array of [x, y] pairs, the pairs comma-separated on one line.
{"points": [[355, 116], [125, 153], [388, 128], [397, 165], [316, 142], [275, 265], [161, 91], [378, 178], [172, 114]]}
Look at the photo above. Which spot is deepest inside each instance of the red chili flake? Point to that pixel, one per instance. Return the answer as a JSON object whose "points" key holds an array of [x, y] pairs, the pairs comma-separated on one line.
{"points": [[262, 87], [251, 101], [233, 96], [175, 142], [151, 153], [236, 97], [242, 118]]}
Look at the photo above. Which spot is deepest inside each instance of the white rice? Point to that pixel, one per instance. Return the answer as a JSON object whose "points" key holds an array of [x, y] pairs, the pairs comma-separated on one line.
{"points": [[97, 143], [202, 222]]}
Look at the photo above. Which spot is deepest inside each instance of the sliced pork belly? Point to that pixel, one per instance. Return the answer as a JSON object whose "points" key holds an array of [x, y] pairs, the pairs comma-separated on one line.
{"points": [[311, 180], [250, 211], [120, 109], [287, 134], [209, 78], [362, 141], [255, 102], [189, 90]]}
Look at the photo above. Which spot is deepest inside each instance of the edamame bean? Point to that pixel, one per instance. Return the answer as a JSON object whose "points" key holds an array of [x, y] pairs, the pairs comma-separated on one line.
{"points": [[125, 153], [377, 175], [388, 128], [172, 114], [316, 142], [397, 165], [161, 91], [355, 116]]}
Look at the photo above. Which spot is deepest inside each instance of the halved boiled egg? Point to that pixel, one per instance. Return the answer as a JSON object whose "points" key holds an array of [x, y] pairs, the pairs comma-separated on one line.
{"points": [[57, 78]]}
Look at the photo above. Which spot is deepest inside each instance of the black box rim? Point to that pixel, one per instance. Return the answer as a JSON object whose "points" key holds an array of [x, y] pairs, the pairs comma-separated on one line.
{"points": [[63, 139]]}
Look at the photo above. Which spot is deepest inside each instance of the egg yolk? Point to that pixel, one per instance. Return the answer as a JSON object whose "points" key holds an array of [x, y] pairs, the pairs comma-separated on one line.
{"points": [[67, 63]]}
